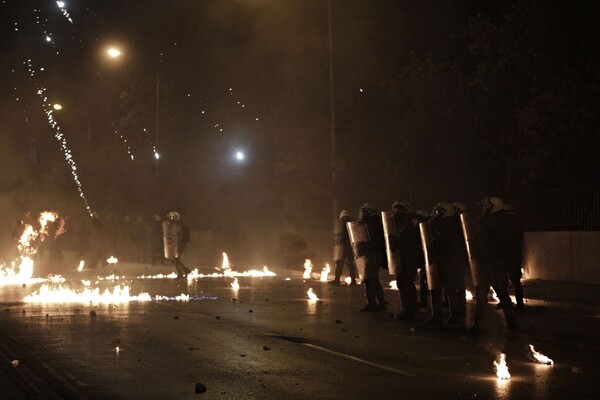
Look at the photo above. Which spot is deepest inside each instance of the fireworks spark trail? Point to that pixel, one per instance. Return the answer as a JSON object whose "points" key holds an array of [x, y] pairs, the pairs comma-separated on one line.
{"points": [[62, 6], [60, 137], [125, 142]]}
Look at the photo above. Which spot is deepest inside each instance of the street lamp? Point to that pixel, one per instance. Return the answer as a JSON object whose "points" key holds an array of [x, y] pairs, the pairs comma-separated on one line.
{"points": [[113, 52], [57, 106]]}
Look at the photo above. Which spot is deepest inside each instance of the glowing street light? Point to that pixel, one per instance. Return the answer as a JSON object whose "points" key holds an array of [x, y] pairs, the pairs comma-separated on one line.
{"points": [[239, 155], [113, 52], [57, 107]]}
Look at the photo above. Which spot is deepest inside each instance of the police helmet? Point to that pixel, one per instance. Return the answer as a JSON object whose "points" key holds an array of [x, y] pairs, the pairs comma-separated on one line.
{"points": [[493, 204], [443, 209], [344, 213], [401, 206], [460, 207]]}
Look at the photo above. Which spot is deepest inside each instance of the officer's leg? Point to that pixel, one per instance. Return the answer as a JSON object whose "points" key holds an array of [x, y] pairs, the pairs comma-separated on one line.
{"points": [[515, 275]]}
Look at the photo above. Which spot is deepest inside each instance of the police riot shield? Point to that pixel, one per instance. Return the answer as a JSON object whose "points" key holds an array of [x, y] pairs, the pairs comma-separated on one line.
{"points": [[392, 247], [359, 238], [338, 246], [471, 249], [171, 240], [431, 268]]}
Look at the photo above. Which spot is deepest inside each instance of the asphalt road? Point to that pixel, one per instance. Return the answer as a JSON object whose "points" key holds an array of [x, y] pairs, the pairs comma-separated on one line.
{"points": [[268, 341]]}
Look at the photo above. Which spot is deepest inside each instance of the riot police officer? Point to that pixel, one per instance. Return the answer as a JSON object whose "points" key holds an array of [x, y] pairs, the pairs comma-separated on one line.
{"points": [[176, 235], [409, 245], [493, 242], [376, 258], [343, 251], [447, 243], [515, 254]]}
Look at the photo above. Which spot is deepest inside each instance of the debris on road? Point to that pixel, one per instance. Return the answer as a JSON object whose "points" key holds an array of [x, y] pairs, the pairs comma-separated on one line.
{"points": [[200, 388]]}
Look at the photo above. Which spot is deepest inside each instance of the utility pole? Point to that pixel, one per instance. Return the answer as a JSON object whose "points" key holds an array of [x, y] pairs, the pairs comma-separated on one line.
{"points": [[335, 205]]}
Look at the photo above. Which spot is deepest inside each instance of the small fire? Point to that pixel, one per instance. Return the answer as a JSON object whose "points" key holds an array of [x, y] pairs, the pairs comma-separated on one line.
{"points": [[325, 273], [81, 265], [469, 295], [538, 357], [307, 269], [225, 267], [348, 280], [501, 367], [117, 349], [311, 295], [394, 285], [235, 285], [112, 260]]}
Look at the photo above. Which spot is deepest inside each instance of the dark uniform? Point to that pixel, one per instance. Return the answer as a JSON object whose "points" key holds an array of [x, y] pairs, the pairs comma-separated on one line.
{"points": [[411, 255], [449, 246], [515, 254], [376, 258], [347, 257], [493, 240]]}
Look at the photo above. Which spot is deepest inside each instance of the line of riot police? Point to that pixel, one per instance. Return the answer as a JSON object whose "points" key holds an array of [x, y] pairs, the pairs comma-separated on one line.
{"points": [[434, 252]]}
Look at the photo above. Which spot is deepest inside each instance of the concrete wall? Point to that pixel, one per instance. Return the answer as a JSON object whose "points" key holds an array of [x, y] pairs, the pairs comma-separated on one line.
{"points": [[563, 256]]}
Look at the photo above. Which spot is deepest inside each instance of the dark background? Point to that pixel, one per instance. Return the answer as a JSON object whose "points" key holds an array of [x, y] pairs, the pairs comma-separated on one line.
{"points": [[434, 101]]}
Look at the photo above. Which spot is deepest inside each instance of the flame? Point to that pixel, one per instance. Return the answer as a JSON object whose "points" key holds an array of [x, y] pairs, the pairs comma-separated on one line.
{"points": [[119, 294], [81, 265], [469, 295], [117, 349], [348, 280], [538, 357], [112, 260], [307, 269], [193, 275], [325, 273], [28, 244], [225, 265], [311, 295], [235, 285], [394, 285], [501, 367]]}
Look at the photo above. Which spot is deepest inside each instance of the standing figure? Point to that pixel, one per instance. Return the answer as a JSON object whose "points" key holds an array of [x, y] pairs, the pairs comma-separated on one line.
{"points": [[493, 240], [156, 240], [515, 272], [342, 250], [409, 245], [375, 260], [451, 253], [176, 235]]}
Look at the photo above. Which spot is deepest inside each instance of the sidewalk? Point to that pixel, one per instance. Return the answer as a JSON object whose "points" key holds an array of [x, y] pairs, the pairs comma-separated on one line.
{"points": [[562, 295]]}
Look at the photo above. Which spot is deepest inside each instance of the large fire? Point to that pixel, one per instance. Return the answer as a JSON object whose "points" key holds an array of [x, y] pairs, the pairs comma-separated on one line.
{"points": [[307, 269], [119, 294], [501, 367], [29, 242], [538, 357]]}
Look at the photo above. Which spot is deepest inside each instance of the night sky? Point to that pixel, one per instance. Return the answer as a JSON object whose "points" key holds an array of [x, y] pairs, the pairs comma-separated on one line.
{"points": [[432, 102]]}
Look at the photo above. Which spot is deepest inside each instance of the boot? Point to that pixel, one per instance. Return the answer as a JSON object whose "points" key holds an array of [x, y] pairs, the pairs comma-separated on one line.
{"points": [[436, 308], [371, 293], [457, 310]]}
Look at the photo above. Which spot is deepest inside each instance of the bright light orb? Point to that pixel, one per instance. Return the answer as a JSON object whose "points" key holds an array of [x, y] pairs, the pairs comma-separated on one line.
{"points": [[113, 52], [156, 155], [57, 107], [60, 4], [239, 155]]}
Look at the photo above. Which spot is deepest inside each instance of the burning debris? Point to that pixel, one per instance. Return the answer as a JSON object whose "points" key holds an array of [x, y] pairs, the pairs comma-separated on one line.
{"points": [[60, 294], [307, 269], [325, 273], [538, 357], [81, 265], [311, 295], [393, 285], [501, 367], [235, 285], [112, 260]]}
